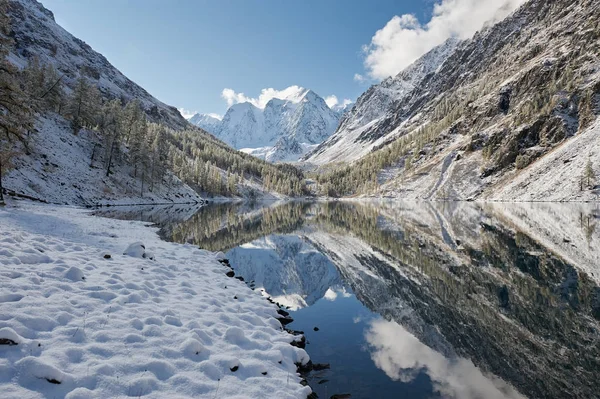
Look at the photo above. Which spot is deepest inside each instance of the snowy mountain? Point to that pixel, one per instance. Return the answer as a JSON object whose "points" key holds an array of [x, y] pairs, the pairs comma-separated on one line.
{"points": [[64, 167], [284, 130], [205, 121], [352, 139], [488, 115]]}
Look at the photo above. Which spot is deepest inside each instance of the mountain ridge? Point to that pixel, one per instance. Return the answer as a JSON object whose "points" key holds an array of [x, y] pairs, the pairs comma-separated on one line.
{"points": [[281, 130]]}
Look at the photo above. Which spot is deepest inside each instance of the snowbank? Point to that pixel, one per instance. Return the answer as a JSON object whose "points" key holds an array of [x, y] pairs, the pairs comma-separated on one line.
{"points": [[91, 322]]}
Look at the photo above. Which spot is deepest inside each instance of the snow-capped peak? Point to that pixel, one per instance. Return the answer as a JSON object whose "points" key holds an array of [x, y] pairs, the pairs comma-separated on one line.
{"points": [[290, 123], [207, 122]]}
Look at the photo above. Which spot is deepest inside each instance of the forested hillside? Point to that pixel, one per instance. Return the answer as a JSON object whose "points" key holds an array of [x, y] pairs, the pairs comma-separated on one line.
{"points": [[489, 114], [69, 114]]}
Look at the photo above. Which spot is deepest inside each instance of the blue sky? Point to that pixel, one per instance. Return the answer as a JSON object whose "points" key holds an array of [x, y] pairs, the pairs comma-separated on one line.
{"points": [[185, 52]]}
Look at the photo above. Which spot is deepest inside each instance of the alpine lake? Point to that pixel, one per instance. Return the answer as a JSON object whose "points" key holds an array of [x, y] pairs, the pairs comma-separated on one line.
{"points": [[419, 299]]}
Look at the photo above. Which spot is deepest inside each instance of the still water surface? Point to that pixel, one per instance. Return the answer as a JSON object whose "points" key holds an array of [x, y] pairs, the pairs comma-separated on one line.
{"points": [[420, 300]]}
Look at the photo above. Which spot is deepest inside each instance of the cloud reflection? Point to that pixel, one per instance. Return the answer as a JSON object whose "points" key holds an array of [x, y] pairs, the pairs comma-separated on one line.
{"points": [[402, 356]]}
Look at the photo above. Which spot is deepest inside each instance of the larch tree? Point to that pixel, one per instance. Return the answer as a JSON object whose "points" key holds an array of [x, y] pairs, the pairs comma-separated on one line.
{"points": [[110, 128], [588, 174], [16, 115], [53, 96], [84, 105]]}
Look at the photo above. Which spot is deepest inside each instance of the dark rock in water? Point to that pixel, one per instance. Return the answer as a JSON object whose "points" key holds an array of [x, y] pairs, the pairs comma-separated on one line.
{"points": [[316, 329], [303, 382], [304, 368], [283, 312], [230, 273], [313, 395], [299, 344], [322, 382], [285, 320], [294, 332], [53, 381], [321, 366], [234, 368], [341, 396], [9, 342]]}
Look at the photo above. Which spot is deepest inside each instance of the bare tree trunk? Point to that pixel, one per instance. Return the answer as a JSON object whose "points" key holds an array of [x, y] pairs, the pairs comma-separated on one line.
{"points": [[1, 188], [142, 190], [112, 147], [152, 177], [93, 153]]}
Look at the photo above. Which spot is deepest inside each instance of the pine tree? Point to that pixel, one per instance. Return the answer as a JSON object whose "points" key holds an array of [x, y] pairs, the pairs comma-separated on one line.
{"points": [[16, 115]]}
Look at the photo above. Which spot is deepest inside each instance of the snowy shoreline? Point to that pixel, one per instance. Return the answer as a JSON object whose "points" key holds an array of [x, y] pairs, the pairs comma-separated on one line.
{"points": [[91, 322]]}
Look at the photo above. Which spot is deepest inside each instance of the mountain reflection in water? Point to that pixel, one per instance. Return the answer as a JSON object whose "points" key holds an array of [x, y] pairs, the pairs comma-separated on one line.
{"points": [[460, 300]]}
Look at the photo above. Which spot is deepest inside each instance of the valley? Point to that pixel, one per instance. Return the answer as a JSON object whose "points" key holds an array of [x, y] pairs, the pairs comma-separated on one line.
{"points": [[435, 237]]}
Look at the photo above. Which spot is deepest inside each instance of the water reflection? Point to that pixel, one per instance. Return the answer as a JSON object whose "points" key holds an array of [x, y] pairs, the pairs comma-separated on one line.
{"points": [[458, 300], [402, 357]]}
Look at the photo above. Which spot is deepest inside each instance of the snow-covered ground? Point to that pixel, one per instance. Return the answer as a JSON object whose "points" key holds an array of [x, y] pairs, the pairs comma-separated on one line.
{"points": [[557, 176], [167, 324]]}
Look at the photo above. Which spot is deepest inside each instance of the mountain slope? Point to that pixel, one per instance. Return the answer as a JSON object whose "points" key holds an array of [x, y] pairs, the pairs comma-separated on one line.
{"points": [[283, 130], [352, 139], [36, 33], [501, 101], [188, 154]]}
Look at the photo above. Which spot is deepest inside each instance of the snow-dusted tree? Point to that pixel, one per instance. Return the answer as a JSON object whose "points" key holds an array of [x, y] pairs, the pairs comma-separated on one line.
{"points": [[53, 96], [159, 153], [84, 105], [110, 127], [77, 103], [588, 174], [133, 115], [16, 116], [34, 78], [139, 146]]}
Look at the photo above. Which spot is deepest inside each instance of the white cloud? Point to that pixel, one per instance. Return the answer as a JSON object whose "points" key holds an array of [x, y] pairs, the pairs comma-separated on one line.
{"points": [[216, 116], [333, 102], [232, 97], [292, 93], [404, 39], [359, 78], [187, 114]]}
